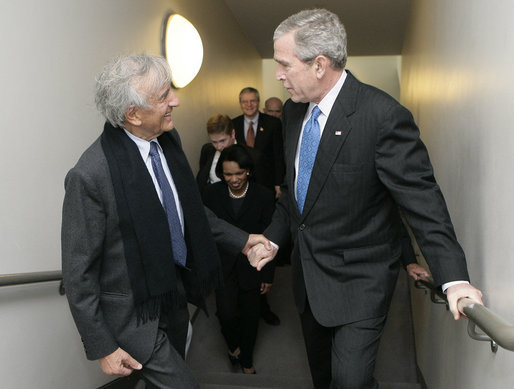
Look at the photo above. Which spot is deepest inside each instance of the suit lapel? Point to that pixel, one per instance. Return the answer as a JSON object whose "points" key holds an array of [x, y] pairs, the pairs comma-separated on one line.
{"points": [[239, 126]]}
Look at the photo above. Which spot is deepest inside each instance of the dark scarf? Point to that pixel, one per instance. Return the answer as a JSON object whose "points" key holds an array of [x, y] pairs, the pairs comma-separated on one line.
{"points": [[144, 227]]}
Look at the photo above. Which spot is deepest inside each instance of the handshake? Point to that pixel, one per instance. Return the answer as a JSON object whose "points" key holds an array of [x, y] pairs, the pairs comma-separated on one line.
{"points": [[259, 251]]}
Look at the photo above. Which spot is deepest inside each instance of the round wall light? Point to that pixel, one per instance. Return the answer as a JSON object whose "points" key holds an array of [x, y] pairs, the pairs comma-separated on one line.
{"points": [[182, 47]]}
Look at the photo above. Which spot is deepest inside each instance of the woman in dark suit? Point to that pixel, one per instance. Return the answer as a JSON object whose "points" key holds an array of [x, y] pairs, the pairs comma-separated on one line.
{"points": [[249, 206]]}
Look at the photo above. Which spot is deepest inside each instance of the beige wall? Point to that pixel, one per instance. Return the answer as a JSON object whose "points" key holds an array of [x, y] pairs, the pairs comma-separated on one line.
{"points": [[51, 53], [380, 71], [458, 81]]}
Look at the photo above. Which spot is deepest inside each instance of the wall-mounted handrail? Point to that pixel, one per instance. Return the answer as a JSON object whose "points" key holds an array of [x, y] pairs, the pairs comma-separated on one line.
{"points": [[496, 330], [31, 278]]}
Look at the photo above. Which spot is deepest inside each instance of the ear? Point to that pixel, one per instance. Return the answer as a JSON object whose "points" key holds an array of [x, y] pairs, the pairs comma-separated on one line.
{"points": [[321, 64], [132, 116]]}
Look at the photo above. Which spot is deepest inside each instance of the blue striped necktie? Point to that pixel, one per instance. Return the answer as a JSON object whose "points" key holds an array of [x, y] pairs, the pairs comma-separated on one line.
{"points": [[178, 244], [308, 150]]}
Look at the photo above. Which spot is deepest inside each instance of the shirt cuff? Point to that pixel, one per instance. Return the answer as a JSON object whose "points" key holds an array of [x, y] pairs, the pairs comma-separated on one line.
{"points": [[448, 284], [274, 245]]}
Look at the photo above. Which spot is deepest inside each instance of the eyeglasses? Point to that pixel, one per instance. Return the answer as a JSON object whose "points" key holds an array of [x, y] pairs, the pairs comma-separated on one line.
{"points": [[246, 102]]}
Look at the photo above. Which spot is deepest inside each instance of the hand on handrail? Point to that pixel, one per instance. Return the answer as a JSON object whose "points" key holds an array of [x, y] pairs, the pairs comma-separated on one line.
{"points": [[462, 295], [417, 272]]}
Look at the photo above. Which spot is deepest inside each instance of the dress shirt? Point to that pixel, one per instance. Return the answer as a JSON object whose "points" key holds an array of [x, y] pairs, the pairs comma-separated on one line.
{"points": [[213, 178], [144, 149]]}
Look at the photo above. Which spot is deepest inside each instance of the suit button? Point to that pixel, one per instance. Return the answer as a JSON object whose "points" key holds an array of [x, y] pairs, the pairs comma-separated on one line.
{"points": [[302, 227]]}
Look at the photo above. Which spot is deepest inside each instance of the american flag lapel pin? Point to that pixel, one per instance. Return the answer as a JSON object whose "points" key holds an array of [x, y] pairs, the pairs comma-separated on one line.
{"points": [[339, 132]]}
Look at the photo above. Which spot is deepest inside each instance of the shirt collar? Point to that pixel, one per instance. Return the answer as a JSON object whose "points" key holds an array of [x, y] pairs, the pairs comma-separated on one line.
{"points": [[142, 145], [328, 101], [255, 120]]}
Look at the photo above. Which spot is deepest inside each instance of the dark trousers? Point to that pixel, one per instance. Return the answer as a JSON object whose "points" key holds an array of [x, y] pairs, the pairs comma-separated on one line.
{"points": [[342, 357], [166, 367], [238, 313]]}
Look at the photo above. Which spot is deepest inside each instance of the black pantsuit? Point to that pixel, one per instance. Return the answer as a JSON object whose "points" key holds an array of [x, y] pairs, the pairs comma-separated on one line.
{"points": [[237, 299]]}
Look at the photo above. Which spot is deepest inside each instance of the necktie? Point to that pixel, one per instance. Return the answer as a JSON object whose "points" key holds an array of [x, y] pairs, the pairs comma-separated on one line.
{"points": [[178, 244], [250, 135], [308, 150]]}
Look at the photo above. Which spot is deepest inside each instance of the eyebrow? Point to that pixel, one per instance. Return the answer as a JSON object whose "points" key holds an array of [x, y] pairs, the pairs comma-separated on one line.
{"points": [[281, 61], [166, 92]]}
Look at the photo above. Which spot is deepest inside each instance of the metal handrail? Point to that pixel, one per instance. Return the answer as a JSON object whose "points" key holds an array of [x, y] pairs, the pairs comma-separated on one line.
{"points": [[495, 329], [31, 278]]}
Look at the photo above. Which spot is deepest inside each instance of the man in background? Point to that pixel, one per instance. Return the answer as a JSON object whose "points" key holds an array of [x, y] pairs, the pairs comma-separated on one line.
{"points": [[264, 134], [220, 131], [273, 107]]}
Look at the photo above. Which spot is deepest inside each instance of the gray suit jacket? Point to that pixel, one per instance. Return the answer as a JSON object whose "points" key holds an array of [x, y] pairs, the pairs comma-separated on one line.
{"points": [[346, 241], [93, 262]]}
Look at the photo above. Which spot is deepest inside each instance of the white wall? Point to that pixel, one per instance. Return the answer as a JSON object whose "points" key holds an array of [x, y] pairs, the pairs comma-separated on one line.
{"points": [[51, 52], [458, 80]]}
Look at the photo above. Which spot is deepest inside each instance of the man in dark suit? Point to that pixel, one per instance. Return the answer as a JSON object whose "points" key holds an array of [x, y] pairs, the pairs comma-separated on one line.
{"points": [[132, 220], [220, 131], [353, 155], [273, 107], [263, 133]]}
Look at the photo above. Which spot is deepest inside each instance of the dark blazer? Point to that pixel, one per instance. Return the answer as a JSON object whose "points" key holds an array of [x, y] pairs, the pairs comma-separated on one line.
{"points": [[94, 267], [207, 156], [269, 144], [253, 217], [346, 241]]}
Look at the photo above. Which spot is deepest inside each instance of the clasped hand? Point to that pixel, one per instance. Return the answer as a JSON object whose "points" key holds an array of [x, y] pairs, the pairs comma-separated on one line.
{"points": [[259, 251]]}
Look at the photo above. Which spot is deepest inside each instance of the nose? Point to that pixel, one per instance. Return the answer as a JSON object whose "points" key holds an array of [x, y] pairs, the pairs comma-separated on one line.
{"points": [[218, 147], [173, 100], [279, 74]]}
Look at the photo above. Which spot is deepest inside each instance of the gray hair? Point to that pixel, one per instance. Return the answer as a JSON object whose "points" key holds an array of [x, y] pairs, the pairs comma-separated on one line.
{"points": [[249, 89], [316, 32], [120, 84]]}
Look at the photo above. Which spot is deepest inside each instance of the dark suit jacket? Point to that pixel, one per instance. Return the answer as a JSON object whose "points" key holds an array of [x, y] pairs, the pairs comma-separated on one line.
{"points": [[253, 217], [269, 144], [346, 241], [206, 157], [93, 262]]}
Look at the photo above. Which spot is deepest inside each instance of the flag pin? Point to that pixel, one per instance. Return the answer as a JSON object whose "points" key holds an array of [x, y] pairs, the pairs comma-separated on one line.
{"points": [[339, 132]]}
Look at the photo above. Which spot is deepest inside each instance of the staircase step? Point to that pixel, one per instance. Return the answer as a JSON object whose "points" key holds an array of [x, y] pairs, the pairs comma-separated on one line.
{"points": [[247, 381], [399, 385]]}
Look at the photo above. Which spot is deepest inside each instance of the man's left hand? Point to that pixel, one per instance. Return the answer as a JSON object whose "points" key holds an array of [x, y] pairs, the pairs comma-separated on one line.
{"points": [[456, 292]]}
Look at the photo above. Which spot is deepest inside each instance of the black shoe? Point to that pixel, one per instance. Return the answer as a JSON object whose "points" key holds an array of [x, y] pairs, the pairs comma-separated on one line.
{"points": [[270, 318], [234, 359]]}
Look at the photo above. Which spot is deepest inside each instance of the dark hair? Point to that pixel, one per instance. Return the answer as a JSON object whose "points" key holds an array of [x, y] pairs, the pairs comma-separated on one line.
{"points": [[235, 153]]}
